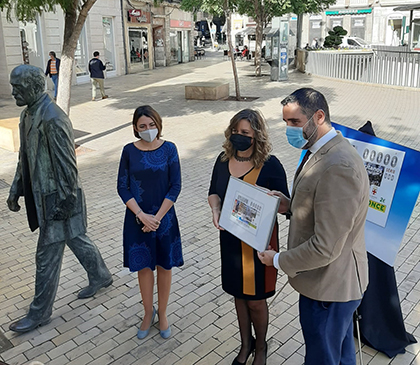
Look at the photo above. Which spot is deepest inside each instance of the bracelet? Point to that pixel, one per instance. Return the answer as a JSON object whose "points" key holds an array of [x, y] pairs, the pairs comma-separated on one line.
{"points": [[137, 218]]}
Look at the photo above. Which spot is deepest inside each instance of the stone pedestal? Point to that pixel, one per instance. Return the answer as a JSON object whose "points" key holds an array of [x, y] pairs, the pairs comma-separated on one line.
{"points": [[9, 134], [207, 91]]}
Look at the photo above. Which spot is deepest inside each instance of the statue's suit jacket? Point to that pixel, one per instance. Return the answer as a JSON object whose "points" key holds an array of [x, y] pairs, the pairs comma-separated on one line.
{"points": [[47, 173], [326, 258]]}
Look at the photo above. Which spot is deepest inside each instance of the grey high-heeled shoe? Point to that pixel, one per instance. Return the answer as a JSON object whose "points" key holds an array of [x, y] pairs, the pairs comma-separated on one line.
{"points": [[143, 333]]}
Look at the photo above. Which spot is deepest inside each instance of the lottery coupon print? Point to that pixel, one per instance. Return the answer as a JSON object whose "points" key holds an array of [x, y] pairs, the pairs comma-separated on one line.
{"points": [[247, 212], [383, 165]]}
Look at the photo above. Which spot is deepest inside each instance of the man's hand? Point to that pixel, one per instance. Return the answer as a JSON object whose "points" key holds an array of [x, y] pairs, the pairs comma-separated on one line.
{"points": [[12, 203], [284, 200], [267, 256]]}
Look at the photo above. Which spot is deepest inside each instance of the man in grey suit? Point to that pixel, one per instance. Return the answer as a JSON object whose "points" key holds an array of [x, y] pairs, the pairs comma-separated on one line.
{"points": [[326, 260], [47, 177]]}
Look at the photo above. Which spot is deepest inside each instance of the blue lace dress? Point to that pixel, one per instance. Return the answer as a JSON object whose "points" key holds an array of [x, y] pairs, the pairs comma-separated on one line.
{"points": [[149, 177]]}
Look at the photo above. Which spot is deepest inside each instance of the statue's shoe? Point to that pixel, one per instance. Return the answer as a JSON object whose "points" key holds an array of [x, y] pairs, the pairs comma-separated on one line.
{"points": [[26, 324], [91, 289]]}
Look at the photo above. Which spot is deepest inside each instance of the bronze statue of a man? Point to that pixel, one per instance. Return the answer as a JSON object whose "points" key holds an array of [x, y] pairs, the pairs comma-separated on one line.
{"points": [[47, 177]]}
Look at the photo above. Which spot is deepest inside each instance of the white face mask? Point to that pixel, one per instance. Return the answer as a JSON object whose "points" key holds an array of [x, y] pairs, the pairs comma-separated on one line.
{"points": [[149, 135]]}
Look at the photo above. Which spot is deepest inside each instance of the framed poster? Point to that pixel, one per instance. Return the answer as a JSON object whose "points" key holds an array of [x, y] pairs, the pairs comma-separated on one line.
{"points": [[394, 178], [249, 213]]}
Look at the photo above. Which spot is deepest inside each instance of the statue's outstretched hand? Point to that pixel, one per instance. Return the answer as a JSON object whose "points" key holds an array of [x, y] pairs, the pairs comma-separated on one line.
{"points": [[12, 203]]}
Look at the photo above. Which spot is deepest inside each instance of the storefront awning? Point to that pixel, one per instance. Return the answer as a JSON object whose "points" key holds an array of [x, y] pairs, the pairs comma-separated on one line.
{"points": [[348, 12], [408, 7], [251, 30]]}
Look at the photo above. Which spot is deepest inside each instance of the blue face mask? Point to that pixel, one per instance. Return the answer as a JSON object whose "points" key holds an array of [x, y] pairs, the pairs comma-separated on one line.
{"points": [[295, 135]]}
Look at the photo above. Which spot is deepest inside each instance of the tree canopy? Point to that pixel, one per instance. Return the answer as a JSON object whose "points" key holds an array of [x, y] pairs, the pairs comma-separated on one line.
{"points": [[75, 14], [309, 6], [263, 10], [213, 7], [27, 10]]}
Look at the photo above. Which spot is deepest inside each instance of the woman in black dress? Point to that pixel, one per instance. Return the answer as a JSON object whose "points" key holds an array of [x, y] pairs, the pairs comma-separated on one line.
{"points": [[247, 156]]}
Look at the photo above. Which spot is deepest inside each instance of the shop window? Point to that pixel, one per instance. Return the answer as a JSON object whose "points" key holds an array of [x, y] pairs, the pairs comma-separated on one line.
{"points": [[109, 47], [31, 44], [175, 57], [358, 27], [139, 53], [335, 22], [416, 35], [315, 30], [81, 58]]}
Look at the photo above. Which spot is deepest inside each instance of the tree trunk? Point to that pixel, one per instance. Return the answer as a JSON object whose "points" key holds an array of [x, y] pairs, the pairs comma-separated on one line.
{"points": [[72, 28], [211, 34], [259, 39], [299, 31], [258, 35], [230, 52]]}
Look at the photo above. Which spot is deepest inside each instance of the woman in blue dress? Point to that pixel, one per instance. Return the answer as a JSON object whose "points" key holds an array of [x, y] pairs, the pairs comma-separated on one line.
{"points": [[149, 182]]}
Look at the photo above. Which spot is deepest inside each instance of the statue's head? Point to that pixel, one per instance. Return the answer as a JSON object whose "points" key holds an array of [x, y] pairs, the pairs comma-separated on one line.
{"points": [[28, 83]]}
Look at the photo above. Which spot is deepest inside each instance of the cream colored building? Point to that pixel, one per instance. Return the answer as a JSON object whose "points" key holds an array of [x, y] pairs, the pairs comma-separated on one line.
{"points": [[31, 42], [130, 38], [156, 36], [372, 20]]}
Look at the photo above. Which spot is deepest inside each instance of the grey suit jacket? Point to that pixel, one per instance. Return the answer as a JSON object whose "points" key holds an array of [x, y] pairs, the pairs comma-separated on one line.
{"points": [[326, 258], [47, 173]]}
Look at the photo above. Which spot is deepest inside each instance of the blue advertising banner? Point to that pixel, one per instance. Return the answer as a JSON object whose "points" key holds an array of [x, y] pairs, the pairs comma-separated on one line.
{"points": [[394, 176]]}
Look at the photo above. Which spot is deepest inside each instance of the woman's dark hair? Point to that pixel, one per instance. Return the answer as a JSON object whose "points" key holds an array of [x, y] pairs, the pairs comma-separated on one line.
{"points": [[148, 111], [52, 53], [262, 145]]}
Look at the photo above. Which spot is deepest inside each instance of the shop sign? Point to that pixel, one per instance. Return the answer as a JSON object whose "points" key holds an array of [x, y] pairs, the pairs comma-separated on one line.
{"points": [[180, 24], [349, 12], [138, 16]]}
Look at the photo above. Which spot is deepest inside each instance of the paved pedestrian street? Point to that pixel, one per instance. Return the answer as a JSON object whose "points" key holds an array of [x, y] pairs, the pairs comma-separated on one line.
{"points": [[102, 330]]}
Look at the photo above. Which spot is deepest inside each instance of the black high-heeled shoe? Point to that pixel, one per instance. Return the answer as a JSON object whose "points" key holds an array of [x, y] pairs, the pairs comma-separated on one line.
{"points": [[266, 350], [251, 350]]}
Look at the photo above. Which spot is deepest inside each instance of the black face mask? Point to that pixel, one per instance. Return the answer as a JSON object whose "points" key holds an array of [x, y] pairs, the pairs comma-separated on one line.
{"points": [[240, 142]]}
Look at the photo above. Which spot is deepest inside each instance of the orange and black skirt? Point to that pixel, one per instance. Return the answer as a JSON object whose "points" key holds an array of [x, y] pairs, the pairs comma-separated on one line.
{"points": [[243, 274]]}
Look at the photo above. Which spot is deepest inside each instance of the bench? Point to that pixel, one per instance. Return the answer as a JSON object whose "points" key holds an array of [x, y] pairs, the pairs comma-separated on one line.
{"points": [[9, 134], [207, 91]]}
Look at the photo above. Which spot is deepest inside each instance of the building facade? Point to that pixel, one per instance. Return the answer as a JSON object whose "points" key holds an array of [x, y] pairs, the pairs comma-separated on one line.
{"points": [[375, 21], [156, 36], [130, 36], [31, 42]]}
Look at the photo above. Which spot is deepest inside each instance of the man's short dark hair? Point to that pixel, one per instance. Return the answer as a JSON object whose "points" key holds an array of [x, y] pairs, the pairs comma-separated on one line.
{"points": [[95, 54], [309, 101]]}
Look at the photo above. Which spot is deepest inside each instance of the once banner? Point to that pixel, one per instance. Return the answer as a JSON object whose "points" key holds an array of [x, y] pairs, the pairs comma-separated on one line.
{"points": [[394, 176]]}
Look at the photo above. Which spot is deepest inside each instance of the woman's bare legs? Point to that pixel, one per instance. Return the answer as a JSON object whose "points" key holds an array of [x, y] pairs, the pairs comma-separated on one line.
{"points": [[146, 283], [164, 280]]}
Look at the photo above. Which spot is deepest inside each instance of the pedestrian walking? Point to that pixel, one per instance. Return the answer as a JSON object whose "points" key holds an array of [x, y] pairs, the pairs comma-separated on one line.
{"points": [[96, 69], [53, 68]]}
